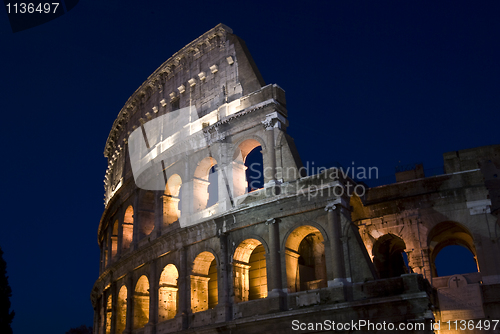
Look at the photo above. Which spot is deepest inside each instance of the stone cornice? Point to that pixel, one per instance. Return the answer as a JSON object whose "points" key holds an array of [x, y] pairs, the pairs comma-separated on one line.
{"points": [[157, 79]]}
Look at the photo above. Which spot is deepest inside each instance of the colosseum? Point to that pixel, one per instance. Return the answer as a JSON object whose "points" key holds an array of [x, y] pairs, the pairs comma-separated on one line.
{"points": [[192, 242]]}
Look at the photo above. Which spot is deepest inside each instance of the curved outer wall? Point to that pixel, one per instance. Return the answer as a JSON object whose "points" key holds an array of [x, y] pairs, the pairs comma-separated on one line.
{"points": [[171, 262]]}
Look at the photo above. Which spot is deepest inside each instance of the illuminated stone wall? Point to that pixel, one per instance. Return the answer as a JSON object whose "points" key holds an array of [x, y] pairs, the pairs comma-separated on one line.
{"points": [[293, 249], [404, 226]]}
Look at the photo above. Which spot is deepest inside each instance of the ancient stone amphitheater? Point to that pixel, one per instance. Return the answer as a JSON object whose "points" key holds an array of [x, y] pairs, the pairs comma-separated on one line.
{"points": [[192, 241]]}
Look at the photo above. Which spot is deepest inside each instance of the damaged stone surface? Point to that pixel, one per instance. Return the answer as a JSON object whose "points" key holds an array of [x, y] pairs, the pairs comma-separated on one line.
{"points": [[297, 249]]}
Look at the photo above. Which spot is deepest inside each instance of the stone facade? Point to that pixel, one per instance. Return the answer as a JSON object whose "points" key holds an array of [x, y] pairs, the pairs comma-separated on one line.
{"points": [[420, 216], [301, 249]]}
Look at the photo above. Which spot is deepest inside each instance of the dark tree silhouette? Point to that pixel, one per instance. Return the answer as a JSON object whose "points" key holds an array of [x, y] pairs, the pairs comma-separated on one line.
{"points": [[83, 329], [6, 315]]}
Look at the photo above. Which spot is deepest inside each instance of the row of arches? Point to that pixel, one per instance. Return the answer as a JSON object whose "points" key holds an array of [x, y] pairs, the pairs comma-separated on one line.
{"points": [[167, 301], [305, 270], [202, 192], [451, 250]]}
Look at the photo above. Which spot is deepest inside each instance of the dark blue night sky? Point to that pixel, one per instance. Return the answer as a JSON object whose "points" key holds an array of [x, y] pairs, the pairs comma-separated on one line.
{"points": [[377, 83]]}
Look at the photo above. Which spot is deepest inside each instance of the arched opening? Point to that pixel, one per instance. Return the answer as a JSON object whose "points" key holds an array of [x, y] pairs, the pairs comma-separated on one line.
{"points": [[141, 302], [249, 271], [247, 167], [389, 257], [109, 313], [447, 234], [114, 240], [146, 214], [172, 200], [204, 283], [128, 228], [167, 294], [305, 259], [455, 260], [121, 310], [205, 184]]}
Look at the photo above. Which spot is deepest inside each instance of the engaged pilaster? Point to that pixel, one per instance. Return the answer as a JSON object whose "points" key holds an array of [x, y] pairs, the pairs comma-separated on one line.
{"points": [[225, 276], [109, 245], [335, 231], [184, 289], [114, 296], [153, 298], [119, 243], [158, 213], [135, 237], [273, 121], [274, 253], [130, 304], [104, 310]]}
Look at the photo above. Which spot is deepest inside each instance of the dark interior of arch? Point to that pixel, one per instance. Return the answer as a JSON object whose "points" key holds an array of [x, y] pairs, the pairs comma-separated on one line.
{"points": [[455, 259], [311, 263], [388, 257], [213, 187], [255, 169]]}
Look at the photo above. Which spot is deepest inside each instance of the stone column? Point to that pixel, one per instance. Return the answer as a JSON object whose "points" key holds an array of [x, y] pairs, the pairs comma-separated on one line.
{"points": [[104, 311], [336, 249], [275, 287], [153, 297], [186, 196], [96, 320], [114, 299], [135, 237], [119, 244], [110, 243], [270, 150], [184, 288], [130, 304], [158, 213], [272, 121], [103, 258], [225, 276]]}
